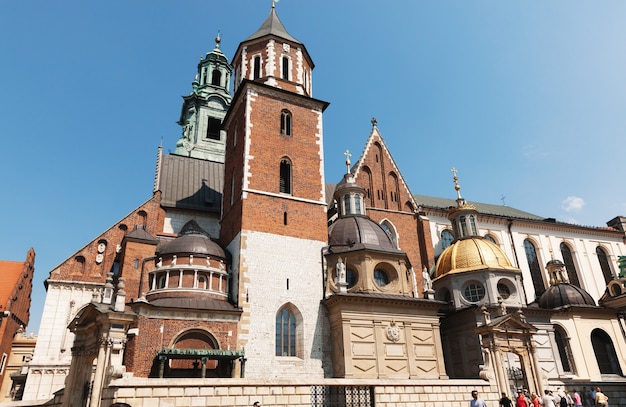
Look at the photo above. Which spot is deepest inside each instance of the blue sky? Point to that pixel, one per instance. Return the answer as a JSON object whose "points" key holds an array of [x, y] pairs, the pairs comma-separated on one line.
{"points": [[526, 99]]}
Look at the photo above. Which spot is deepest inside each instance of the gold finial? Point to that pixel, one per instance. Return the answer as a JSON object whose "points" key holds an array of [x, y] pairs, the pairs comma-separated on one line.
{"points": [[218, 39], [374, 122], [348, 155], [457, 187]]}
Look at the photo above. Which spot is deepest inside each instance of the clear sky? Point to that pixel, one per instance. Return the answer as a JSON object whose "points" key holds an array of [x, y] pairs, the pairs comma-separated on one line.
{"points": [[527, 99]]}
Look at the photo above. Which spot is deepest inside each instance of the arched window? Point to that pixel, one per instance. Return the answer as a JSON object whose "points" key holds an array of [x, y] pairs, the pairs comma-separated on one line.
{"points": [[285, 176], [286, 333], [285, 72], [391, 231], [216, 77], [568, 259], [347, 208], [535, 269], [608, 363], [257, 67], [285, 123], [80, 264], [446, 239], [603, 259], [565, 353], [491, 239]]}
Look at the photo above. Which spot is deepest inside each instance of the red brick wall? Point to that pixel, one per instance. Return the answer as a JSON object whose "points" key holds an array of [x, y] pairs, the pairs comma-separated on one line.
{"points": [[390, 199], [19, 308], [141, 350], [90, 270], [132, 251], [266, 149]]}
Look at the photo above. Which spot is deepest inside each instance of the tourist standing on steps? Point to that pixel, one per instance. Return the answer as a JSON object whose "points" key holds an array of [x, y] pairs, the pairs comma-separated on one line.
{"points": [[505, 401], [476, 402], [548, 399]]}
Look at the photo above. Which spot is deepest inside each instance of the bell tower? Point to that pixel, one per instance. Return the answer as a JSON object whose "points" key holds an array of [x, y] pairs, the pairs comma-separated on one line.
{"points": [[205, 107], [274, 206]]}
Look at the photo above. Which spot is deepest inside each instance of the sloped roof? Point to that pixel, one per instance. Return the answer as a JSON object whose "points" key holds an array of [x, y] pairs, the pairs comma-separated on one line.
{"points": [[272, 26], [483, 208], [190, 183], [9, 275]]}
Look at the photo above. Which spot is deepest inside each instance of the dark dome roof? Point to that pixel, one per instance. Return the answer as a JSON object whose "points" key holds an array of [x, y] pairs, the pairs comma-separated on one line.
{"points": [[192, 240], [358, 233], [564, 294]]}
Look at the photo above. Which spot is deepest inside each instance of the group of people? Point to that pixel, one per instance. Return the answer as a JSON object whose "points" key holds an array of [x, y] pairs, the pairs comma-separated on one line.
{"points": [[587, 398]]}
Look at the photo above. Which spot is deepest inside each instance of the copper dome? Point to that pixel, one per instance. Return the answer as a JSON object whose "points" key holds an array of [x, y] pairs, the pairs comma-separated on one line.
{"points": [[192, 240], [470, 254], [357, 233], [564, 294]]}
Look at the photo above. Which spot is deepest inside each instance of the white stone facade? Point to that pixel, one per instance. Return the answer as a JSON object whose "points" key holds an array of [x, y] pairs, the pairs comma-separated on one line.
{"points": [[53, 352], [271, 272]]}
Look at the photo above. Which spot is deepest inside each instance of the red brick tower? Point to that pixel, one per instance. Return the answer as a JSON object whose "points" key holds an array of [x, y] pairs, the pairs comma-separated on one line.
{"points": [[274, 211]]}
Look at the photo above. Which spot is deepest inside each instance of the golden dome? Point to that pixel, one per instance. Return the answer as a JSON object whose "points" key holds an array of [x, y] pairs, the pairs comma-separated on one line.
{"points": [[470, 254]]}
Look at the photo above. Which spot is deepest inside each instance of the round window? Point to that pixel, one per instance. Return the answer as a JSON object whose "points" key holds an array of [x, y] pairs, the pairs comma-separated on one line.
{"points": [[504, 291], [474, 292], [381, 277]]}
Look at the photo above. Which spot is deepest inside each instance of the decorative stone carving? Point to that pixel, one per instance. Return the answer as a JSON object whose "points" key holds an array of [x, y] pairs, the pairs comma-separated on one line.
{"points": [[393, 332]]}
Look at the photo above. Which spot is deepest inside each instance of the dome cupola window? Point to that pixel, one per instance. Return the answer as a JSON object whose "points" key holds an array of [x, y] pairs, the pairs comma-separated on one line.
{"points": [[474, 292]]}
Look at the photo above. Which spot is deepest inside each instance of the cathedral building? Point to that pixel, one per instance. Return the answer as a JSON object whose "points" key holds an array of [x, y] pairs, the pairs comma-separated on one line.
{"points": [[249, 276]]}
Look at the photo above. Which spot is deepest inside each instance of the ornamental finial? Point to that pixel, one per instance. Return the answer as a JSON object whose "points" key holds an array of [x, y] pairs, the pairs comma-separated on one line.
{"points": [[374, 122], [274, 3], [348, 155], [218, 39], [457, 187]]}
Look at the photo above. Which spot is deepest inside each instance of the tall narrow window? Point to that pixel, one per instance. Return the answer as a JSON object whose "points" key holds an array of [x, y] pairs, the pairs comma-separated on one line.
{"points": [[608, 363], [568, 259], [562, 344], [347, 208], [286, 68], [257, 67], [285, 333], [535, 269], [285, 176], [285, 123], [603, 259], [213, 128], [216, 77]]}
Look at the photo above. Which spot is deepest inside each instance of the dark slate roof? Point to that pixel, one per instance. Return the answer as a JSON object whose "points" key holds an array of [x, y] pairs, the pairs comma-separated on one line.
{"points": [[563, 295], [483, 208], [140, 233], [272, 26], [194, 240], [190, 183], [351, 233]]}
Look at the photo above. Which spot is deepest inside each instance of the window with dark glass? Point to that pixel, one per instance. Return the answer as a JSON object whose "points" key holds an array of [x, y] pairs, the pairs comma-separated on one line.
{"points": [[446, 238], [285, 176], [603, 259], [257, 67], [562, 344], [216, 77], [213, 128], [286, 68], [285, 123], [535, 269], [285, 333], [474, 292], [568, 259], [608, 363], [381, 277]]}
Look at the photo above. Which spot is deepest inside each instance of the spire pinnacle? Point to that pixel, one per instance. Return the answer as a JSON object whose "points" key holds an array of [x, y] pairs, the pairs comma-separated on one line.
{"points": [[218, 39], [374, 122], [348, 155], [457, 187], [274, 3]]}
